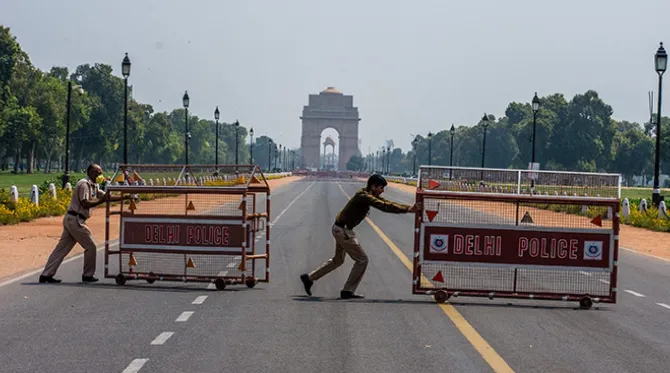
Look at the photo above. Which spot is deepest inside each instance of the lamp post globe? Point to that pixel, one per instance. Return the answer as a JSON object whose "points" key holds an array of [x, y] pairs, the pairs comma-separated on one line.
{"points": [[661, 59], [186, 100], [536, 103], [125, 66]]}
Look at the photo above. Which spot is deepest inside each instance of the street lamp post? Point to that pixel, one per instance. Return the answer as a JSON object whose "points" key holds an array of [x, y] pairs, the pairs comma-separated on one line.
{"points": [[414, 160], [66, 176], [269, 155], [388, 160], [125, 70], [276, 156], [216, 152], [237, 141], [430, 148], [661, 60], [485, 124], [186, 101], [536, 108], [251, 145], [383, 160], [452, 132]]}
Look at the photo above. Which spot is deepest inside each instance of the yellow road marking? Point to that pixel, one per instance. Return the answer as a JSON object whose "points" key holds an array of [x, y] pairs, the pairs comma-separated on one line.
{"points": [[495, 361]]}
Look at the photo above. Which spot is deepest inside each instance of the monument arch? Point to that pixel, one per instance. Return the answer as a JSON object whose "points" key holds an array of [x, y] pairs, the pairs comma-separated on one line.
{"points": [[329, 109]]}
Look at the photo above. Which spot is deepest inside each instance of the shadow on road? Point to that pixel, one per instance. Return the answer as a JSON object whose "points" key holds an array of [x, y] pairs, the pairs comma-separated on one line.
{"points": [[562, 306], [137, 287], [306, 298], [461, 305]]}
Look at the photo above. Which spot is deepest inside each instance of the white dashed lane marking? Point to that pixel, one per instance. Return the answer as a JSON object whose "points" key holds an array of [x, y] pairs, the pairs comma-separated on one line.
{"points": [[184, 316], [135, 366], [664, 305], [162, 338], [634, 293], [199, 299]]}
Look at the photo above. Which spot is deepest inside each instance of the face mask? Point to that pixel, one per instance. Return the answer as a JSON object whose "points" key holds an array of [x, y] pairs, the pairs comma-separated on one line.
{"points": [[99, 179]]}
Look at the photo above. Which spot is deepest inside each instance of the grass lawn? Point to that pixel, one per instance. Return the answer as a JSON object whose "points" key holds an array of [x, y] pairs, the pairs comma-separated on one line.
{"points": [[25, 181], [636, 193]]}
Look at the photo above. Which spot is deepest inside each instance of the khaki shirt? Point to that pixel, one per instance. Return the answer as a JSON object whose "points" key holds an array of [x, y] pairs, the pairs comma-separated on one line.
{"points": [[358, 208], [84, 190]]}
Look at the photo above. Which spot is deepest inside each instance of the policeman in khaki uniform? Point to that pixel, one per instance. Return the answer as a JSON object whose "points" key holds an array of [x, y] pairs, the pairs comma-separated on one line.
{"points": [[85, 196], [352, 215]]}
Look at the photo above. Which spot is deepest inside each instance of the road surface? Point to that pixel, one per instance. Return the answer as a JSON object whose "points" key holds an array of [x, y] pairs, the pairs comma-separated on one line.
{"points": [[275, 327]]}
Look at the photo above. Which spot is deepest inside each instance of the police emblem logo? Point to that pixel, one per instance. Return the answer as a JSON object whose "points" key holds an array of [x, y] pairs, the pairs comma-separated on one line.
{"points": [[439, 243], [593, 250]]}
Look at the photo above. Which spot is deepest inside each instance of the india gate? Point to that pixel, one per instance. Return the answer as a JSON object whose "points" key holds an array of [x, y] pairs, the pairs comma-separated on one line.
{"points": [[329, 109]]}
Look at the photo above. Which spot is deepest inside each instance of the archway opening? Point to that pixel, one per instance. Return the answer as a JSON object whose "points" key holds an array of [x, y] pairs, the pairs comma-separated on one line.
{"points": [[329, 149]]}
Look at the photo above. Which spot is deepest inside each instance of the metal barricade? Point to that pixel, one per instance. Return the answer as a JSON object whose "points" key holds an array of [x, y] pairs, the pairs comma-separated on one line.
{"points": [[515, 234], [189, 223]]}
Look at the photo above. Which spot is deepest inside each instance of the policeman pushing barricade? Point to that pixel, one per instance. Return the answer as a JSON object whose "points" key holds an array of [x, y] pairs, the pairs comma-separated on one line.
{"points": [[85, 196], [346, 241]]}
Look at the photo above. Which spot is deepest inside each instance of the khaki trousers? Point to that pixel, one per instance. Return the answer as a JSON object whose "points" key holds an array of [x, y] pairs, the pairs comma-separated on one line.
{"points": [[345, 242], [74, 231]]}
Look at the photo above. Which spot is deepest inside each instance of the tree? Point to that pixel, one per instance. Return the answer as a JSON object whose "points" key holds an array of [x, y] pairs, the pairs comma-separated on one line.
{"points": [[355, 163]]}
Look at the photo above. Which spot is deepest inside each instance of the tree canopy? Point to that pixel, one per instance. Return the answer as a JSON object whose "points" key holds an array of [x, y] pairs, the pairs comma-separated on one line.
{"points": [[33, 108]]}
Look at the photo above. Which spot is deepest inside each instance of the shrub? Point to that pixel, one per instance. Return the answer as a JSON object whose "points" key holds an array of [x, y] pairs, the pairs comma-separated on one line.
{"points": [[23, 210]]}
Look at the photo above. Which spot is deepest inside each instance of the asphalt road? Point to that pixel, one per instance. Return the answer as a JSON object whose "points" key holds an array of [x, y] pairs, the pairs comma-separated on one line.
{"points": [[177, 327]]}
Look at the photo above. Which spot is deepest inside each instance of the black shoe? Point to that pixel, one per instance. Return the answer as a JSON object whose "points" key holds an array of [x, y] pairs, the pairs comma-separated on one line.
{"points": [[88, 279], [350, 295], [307, 282], [48, 279]]}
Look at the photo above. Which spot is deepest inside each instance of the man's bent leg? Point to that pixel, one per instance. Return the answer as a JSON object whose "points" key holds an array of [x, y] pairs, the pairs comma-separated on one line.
{"points": [[329, 265], [355, 251], [83, 235], [64, 246]]}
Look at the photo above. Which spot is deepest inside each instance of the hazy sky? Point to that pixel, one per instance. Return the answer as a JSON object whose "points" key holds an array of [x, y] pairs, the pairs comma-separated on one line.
{"points": [[412, 67]]}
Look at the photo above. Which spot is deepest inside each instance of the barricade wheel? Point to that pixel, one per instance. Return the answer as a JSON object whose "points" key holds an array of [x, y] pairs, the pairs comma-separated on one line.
{"points": [[152, 278], [441, 296], [120, 279], [220, 284], [250, 282], [585, 303]]}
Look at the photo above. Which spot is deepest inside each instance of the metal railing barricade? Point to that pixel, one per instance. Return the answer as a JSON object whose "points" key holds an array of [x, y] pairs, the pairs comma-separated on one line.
{"points": [[517, 234], [189, 223]]}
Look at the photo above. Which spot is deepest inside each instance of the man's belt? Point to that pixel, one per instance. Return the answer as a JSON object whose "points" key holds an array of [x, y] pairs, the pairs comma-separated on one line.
{"points": [[76, 214]]}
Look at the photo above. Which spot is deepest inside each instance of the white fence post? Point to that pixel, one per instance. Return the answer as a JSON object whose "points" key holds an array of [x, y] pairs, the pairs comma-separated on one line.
{"points": [[35, 195], [14, 193]]}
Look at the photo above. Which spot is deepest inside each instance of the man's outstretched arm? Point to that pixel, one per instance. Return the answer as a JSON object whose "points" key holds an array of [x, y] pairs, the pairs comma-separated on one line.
{"points": [[388, 206]]}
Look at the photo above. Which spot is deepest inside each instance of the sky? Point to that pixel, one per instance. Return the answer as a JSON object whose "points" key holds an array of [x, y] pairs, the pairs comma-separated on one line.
{"points": [[411, 66]]}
